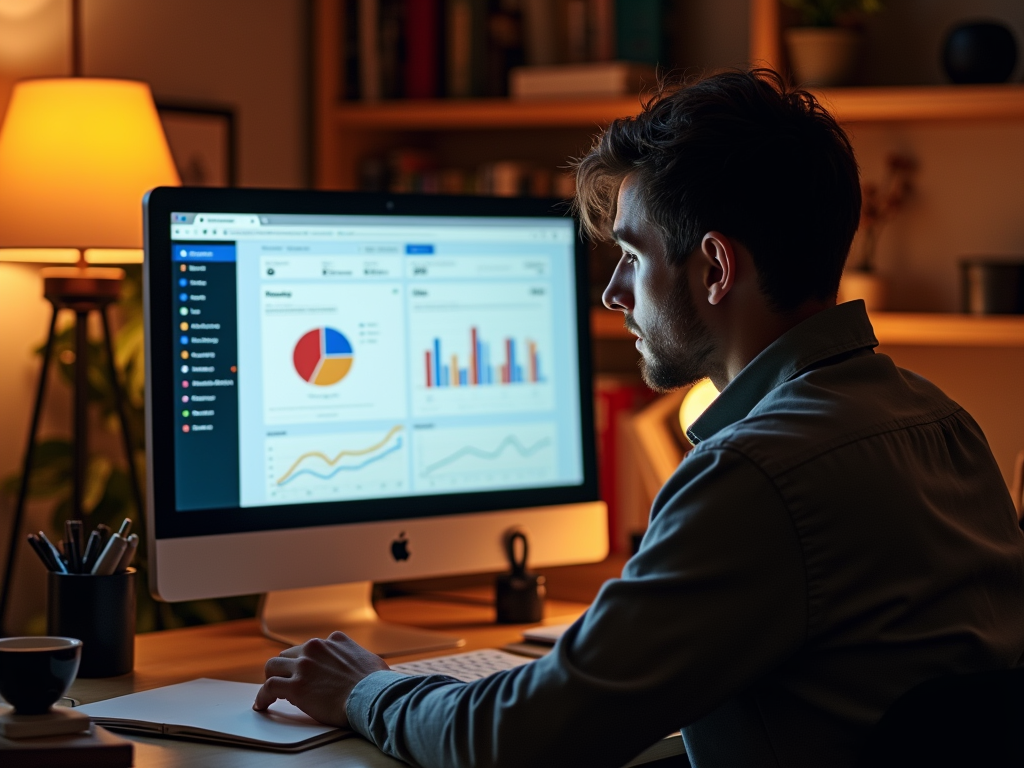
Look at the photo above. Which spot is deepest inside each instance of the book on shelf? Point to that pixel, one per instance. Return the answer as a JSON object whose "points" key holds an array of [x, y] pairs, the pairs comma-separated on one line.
{"points": [[640, 31], [466, 30], [423, 41], [593, 80]]}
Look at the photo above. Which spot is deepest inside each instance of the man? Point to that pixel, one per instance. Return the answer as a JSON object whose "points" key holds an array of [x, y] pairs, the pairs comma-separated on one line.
{"points": [[839, 533]]}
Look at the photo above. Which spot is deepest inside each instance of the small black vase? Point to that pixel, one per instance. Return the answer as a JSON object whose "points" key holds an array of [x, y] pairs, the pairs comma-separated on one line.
{"points": [[979, 52]]}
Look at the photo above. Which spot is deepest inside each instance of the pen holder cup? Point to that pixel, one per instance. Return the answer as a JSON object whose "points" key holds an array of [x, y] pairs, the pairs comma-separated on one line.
{"points": [[99, 611]]}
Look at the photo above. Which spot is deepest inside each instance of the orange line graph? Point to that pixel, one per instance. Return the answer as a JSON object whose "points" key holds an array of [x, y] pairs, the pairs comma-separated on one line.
{"points": [[341, 454]]}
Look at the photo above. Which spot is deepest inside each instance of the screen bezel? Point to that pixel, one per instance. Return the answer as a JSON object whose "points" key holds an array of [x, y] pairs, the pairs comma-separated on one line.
{"points": [[168, 522]]}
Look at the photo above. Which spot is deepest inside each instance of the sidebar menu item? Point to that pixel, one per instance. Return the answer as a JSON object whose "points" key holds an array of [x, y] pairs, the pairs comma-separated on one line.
{"points": [[206, 391]]}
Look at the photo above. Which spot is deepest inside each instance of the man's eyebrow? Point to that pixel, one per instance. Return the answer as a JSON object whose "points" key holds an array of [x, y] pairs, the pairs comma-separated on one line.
{"points": [[621, 235]]}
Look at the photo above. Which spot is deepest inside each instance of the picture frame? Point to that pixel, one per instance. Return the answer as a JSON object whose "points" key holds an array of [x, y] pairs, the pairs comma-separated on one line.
{"points": [[203, 142]]}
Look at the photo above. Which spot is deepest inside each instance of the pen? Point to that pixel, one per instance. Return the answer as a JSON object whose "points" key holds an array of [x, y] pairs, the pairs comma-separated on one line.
{"points": [[44, 554], [125, 527], [110, 558], [72, 540], [54, 553], [104, 531], [92, 551], [129, 553]]}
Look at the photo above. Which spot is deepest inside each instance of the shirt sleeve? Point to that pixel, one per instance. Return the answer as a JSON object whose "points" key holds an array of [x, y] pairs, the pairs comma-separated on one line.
{"points": [[715, 599]]}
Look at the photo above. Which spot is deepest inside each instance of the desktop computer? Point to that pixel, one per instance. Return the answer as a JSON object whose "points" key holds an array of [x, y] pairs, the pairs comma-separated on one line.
{"points": [[344, 388]]}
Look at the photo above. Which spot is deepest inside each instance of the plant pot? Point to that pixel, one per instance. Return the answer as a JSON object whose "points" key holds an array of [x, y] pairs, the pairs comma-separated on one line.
{"points": [[823, 56], [858, 284]]}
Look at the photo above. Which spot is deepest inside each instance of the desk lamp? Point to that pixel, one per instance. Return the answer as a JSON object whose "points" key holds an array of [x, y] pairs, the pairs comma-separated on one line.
{"points": [[76, 157]]}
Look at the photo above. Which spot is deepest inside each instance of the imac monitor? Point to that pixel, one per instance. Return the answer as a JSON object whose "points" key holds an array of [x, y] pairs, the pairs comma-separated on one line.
{"points": [[345, 388]]}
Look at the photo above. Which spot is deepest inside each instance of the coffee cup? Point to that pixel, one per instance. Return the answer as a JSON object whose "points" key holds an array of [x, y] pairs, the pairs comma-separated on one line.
{"points": [[36, 671]]}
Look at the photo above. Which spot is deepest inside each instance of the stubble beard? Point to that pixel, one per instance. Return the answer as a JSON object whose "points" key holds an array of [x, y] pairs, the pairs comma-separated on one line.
{"points": [[679, 350]]}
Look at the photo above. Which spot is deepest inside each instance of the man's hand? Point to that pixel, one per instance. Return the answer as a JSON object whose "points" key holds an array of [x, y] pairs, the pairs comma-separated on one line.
{"points": [[317, 677]]}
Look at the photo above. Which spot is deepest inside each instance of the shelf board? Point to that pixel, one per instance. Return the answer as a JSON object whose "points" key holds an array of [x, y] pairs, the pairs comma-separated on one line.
{"points": [[850, 105], [896, 328], [925, 102], [449, 114]]}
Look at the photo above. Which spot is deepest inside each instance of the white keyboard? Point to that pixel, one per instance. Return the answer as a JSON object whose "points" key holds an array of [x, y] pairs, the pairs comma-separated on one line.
{"points": [[466, 667]]}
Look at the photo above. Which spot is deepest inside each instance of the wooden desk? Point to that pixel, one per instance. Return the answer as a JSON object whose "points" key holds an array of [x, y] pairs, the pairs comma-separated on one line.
{"points": [[237, 651]]}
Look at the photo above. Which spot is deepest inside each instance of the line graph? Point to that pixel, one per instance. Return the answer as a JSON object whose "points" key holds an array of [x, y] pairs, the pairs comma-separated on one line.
{"points": [[489, 457], [337, 466], [294, 468], [509, 442], [351, 468]]}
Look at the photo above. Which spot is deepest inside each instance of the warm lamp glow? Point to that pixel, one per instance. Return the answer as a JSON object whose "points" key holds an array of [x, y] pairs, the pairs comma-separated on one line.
{"points": [[76, 157], [701, 395], [40, 255], [113, 255]]}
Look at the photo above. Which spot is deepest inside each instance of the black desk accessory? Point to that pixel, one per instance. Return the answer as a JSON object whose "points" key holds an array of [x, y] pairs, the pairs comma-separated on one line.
{"points": [[519, 595], [100, 611]]}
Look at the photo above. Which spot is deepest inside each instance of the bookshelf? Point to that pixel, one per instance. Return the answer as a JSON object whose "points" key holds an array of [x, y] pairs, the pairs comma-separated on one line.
{"points": [[347, 131]]}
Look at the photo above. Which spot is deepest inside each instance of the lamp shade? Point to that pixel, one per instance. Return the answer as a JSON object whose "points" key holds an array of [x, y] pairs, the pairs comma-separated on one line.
{"points": [[76, 157]]}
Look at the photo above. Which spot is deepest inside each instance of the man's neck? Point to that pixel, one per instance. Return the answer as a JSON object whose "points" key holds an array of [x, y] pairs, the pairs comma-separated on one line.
{"points": [[754, 329]]}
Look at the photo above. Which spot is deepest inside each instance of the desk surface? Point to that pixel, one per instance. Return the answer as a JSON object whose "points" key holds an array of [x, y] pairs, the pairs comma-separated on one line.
{"points": [[237, 651]]}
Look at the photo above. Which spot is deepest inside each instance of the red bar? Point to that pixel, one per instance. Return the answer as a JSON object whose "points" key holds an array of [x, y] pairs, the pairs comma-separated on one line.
{"points": [[472, 357], [430, 371], [533, 362], [508, 358]]}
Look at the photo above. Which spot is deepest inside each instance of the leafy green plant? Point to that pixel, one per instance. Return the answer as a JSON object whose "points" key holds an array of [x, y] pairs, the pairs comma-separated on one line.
{"points": [[828, 13], [108, 494]]}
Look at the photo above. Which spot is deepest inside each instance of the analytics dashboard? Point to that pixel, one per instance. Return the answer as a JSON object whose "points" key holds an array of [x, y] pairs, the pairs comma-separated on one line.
{"points": [[337, 358]]}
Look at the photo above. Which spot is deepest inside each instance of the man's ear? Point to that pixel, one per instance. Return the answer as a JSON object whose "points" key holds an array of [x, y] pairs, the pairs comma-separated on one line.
{"points": [[718, 254]]}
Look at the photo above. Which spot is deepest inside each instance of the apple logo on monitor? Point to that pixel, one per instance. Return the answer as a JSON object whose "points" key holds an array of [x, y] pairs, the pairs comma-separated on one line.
{"points": [[400, 547]]}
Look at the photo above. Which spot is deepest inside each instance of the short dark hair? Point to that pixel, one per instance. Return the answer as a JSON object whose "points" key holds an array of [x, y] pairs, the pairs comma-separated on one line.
{"points": [[741, 153]]}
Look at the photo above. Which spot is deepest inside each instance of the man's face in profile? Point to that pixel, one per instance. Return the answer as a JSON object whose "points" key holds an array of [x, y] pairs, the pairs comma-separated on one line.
{"points": [[654, 293]]}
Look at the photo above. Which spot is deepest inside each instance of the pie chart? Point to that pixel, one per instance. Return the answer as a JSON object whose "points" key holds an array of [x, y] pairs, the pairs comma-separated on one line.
{"points": [[322, 356]]}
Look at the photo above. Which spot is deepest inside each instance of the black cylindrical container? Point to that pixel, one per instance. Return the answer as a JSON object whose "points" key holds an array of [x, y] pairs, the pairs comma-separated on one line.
{"points": [[99, 611], [992, 287]]}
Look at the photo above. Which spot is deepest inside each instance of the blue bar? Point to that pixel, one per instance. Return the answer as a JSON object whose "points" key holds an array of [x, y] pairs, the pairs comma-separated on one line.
{"points": [[444, 371], [512, 360], [537, 358], [201, 253], [437, 362], [519, 374], [463, 377], [419, 250], [479, 361]]}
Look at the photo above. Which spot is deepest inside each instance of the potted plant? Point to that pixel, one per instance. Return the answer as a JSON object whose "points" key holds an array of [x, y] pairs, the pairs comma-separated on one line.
{"points": [[880, 203], [825, 49]]}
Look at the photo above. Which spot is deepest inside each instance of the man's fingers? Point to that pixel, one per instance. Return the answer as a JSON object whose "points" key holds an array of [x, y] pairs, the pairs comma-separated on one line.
{"points": [[279, 666], [273, 689]]}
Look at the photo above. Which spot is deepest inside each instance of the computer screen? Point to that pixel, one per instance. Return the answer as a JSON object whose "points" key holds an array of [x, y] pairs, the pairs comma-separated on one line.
{"points": [[329, 361]]}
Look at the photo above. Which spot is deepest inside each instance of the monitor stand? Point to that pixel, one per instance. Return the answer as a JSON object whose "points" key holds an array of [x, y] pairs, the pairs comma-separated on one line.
{"points": [[294, 616]]}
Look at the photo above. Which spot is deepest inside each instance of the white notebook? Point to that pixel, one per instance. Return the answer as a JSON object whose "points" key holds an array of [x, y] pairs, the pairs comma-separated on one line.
{"points": [[213, 710]]}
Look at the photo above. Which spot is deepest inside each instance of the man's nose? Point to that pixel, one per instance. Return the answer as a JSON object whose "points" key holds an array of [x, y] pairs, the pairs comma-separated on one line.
{"points": [[618, 294]]}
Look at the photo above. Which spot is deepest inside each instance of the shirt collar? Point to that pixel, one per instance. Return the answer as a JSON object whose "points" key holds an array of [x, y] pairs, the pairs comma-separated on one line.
{"points": [[834, 331]]}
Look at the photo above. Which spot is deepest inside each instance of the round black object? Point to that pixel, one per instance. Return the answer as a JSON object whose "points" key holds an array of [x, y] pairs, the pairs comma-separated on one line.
{"points": [[980, 52], [36, 671]]}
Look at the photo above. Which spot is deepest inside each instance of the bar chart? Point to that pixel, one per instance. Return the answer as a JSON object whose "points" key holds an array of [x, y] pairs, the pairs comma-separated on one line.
{"points": [[481, 369], [479, 348]]}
